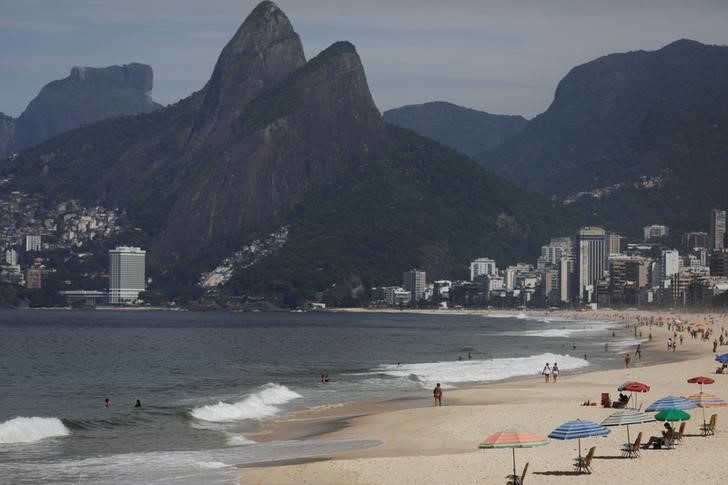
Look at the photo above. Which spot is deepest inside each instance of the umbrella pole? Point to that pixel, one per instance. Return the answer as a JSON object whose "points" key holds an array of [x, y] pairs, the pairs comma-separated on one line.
{"points": [[705, 426], [628, 440], [514, 464]]}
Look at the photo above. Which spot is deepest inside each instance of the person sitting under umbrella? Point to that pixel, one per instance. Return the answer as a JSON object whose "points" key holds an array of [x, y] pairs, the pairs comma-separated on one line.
{"points": [[660, 440]]}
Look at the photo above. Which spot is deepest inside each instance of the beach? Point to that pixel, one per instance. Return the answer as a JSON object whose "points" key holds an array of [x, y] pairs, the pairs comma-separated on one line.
{"points": [[422, 443]]}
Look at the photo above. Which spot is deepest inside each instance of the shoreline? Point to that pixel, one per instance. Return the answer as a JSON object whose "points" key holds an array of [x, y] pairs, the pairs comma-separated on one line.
{"points": [[408, 431]]}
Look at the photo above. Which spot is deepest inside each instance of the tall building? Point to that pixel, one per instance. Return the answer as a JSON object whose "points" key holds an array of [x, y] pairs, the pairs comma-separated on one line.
{"points": [[482, 266], [717, 229], [719, 263], [614, 244], [669, 263], [655, 231], [591, 260], [11, 256], [126, 274], [32, 243], [556, 249], [414, 282], [692, 240], [34, 278], [565, 270]]}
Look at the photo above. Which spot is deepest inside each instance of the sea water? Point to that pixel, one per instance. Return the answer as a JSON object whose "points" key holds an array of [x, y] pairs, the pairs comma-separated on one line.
{"points": [[207, 380]]}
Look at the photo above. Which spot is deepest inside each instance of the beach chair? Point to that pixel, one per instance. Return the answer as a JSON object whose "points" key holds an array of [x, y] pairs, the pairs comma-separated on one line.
{"points": [[606, 400], [632, 450], [583, 464], [709, 429], [515, 479], [679, 435]]}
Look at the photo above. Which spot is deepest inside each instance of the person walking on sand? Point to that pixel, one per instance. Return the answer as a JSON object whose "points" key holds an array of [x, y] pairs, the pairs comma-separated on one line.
{"points": [[555, 371], [627, 360], [546, 372], [437, 394]]}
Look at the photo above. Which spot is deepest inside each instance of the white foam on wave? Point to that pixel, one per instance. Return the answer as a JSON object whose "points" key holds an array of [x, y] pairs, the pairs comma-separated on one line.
{"points": [[238, 440], [27, 430], [261, 404], [458, 372]]}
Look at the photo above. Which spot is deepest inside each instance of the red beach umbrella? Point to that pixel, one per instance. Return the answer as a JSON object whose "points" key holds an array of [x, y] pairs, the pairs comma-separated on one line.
{"points": [[701, 380], [634, 386]]}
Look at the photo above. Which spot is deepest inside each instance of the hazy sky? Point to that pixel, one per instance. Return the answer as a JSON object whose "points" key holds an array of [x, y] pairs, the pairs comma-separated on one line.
{"points": [[499, 56]]}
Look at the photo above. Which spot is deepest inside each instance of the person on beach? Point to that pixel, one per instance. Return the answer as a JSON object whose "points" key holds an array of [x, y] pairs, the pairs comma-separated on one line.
{"points": [[107, 403], [546, 372], [627, 360], [138, 404], [715, 345], [437, 394], [555, 371], [639, 352], [669, 344], [666, 435]]}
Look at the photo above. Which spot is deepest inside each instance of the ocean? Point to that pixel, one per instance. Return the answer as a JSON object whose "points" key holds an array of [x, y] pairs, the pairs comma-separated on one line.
{"points": [[206, 381]]}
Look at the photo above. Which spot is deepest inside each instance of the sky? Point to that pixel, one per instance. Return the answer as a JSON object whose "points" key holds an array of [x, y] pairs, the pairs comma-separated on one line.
{"points": [[500, 56]]}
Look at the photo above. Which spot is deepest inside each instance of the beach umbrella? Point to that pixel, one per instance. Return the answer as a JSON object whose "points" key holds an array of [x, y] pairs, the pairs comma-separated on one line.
{"points": [[707, 401], [672, 415], [513, 440], [632, 387], [578, 429], [722, 358], [701, 380], [627, 417], [670, 402]]}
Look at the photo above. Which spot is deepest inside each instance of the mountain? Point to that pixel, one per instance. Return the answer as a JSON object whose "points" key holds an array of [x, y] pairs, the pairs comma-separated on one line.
{"points": [[87, 95], [467, 130], [7, 132], [644, 133], [274, 140]]}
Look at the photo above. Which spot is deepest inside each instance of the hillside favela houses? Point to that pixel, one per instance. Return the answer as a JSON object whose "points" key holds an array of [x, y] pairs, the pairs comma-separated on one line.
{"points": [[593, 268]]}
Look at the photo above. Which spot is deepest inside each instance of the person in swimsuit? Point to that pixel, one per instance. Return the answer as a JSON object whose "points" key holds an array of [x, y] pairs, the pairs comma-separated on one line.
{"points": [[107, 403], [437, 394], [546, 372], [555, 371]]}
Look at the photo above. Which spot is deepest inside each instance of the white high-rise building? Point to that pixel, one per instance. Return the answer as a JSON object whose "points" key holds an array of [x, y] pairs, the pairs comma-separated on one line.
{"points": [[32, 243], [11, 256], [126, 274], [414, 282], [669, 263], [591, 246], [482, 266]]}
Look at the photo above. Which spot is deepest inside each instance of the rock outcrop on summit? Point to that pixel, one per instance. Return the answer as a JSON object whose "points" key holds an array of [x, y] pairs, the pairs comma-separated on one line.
{"points": [[87, 95]]}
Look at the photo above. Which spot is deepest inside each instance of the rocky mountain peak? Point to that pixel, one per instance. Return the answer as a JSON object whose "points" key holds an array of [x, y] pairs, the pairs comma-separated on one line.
{"points": [[265, 49]]}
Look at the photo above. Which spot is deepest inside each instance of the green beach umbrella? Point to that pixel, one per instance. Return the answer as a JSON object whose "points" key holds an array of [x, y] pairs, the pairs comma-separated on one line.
{"points": [[672, 415]]}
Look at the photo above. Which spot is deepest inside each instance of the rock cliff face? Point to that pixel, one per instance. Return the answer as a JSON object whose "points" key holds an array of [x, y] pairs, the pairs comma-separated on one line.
{"points": [[87, 95], [317, 120], [7, 132]]}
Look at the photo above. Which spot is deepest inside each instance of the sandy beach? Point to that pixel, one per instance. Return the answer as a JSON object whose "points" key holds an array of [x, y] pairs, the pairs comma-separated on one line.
{"points": [[422, 443]]}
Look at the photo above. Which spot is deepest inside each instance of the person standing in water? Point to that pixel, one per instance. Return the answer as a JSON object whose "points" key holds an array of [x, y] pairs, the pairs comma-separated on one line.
{"points": [[627, 360], [138, 404], [437, 394], [107, 403]]}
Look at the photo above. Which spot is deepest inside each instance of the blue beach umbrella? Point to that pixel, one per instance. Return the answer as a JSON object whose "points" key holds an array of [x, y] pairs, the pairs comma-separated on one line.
{"points": [[670, 402], [722, 358], [578, 429]]}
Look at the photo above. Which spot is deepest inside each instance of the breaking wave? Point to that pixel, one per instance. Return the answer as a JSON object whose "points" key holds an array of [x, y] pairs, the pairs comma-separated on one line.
{"points": [[261, 404], [28, 430]]}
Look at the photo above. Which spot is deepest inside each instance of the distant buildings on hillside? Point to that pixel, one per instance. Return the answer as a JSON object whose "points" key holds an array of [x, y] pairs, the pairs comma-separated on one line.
{"points": [[592, 267]]}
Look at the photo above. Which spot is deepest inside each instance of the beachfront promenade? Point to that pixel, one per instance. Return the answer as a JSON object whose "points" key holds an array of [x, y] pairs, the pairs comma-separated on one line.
{"points": [[424, 444]]}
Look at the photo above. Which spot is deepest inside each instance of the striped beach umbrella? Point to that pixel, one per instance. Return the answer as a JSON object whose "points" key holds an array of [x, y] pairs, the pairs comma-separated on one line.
{"points": [[707, 401], [627, 417], [513, 440], [578, 429], [670, 402]]}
